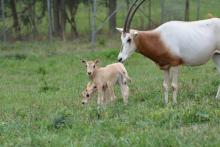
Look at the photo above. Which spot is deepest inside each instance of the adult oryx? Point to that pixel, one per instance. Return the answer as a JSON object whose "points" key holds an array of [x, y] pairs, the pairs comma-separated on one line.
{"points": [[173, 44]]}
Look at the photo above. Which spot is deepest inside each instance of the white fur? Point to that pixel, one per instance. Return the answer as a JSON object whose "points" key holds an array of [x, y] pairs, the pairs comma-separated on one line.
{"points": [[194, 42], [128, 48]]}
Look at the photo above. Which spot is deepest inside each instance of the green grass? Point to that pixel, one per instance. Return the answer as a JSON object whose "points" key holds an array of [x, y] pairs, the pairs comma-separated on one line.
{"points": [[40, 100]]}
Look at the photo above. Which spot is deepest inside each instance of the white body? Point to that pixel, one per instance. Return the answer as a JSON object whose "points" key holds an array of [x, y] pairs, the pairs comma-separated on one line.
{"points": [[194, 42]]}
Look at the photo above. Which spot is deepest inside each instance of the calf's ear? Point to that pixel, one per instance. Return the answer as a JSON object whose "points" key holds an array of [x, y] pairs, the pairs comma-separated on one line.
{"points": [[97, 61]]}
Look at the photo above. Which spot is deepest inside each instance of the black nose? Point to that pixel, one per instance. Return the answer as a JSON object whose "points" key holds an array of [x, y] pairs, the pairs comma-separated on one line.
{"points": [[87, 95], [83, 103], [89, 73], [120, 60]]}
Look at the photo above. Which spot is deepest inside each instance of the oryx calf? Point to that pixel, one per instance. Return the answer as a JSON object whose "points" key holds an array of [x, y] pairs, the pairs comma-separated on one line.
{"points": [[87, 93], [106, 77], [90, 90]]}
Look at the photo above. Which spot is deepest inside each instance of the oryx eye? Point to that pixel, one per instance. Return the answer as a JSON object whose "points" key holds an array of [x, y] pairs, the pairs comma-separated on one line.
{"points": [[129, 40], [94, 87], [93, 66]]}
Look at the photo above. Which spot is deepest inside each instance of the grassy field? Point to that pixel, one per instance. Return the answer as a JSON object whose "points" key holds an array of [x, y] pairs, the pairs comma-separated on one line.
{"points": [[40, 100]]}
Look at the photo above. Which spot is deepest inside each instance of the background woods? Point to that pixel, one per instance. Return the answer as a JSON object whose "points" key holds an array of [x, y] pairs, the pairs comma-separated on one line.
{"points": [[70, 19]]}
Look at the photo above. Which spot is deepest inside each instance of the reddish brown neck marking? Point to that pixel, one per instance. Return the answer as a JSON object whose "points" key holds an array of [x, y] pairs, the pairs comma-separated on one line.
{"points": [[150, 45]]}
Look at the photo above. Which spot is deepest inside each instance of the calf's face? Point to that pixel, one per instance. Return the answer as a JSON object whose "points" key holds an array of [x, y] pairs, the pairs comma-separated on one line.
{"points": [[87, 93], [90, 66]]}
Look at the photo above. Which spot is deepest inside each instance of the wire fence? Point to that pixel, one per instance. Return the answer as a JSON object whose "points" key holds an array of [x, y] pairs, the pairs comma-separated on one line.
{"points": [[92, 17]]}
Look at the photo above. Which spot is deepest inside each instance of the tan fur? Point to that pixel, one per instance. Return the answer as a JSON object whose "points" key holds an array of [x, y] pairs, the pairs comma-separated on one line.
{"points": [[150, 45], [90, 90], [109, 75], [87, 93]]}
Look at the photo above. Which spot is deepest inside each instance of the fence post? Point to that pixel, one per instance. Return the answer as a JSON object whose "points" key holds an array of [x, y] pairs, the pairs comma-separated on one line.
{"points": [[49, 20], [198, 10], [3, 19], [93, 21]]}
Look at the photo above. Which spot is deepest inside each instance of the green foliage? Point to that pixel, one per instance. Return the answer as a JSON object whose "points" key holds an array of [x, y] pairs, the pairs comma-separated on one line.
{"points": [[83, 21], [30, 116]]}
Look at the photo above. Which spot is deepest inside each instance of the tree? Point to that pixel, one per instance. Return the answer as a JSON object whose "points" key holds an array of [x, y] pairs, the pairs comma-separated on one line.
{"points": [[72, 7], [16, 24], [59, 18], [187, 10], [112, 4], [32, 17]]}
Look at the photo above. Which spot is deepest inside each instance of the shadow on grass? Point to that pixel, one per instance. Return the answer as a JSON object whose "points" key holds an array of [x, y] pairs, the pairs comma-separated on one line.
{"points": [[15, 56], [45, 86]]}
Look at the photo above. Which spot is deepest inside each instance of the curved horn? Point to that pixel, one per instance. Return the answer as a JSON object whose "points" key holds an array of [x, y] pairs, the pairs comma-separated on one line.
{"points": [[127, 17], [132, 15]]}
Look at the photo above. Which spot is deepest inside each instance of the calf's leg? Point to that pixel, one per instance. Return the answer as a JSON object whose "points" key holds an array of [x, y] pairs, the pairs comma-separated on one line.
{"points": [[125, 92], [111, 92], [124, 87], [100, 95]]}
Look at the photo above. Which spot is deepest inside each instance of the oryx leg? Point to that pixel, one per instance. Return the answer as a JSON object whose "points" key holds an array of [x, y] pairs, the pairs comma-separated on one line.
{"points": [[216, 59], [166, 85], [174, 83], [218, 93]]}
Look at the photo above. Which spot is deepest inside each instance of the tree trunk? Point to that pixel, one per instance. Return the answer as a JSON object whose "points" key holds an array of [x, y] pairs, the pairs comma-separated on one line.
{"points": [[16, 24], [33, 19], [56, 17], [187, 10], [3, 19], [1, 6], [73, 6], [112, 4], [59, 18], [62, 19], [49, 20]]}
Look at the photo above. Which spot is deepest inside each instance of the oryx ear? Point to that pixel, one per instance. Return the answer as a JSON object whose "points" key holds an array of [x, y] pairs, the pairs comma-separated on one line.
{"points": [[97, 61], [120, 29], [83, 61]]}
